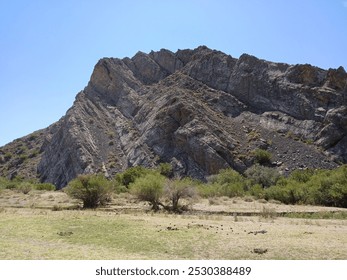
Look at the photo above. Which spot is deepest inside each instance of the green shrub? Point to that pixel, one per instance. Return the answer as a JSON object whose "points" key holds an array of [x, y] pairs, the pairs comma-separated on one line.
{"points": [[330, 187], [93, 190], [262, 156], [11, 185], [302, 176], [289, 194], [215, 189], [131, 174], [3, 183], [209, 190], [257, 191], [44, 187], [227, 182], [119, 188], [262, 175], [166, 169], [227, 176], [24, 185], [149, 188], [319, 187], [232, 190]]}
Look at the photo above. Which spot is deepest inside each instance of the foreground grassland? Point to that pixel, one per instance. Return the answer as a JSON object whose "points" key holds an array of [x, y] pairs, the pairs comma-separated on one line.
{"points": [[126, 230]]}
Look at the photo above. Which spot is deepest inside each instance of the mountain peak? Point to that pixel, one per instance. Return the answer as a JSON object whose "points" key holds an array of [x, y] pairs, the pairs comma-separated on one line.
{"points": [[201, 110]]}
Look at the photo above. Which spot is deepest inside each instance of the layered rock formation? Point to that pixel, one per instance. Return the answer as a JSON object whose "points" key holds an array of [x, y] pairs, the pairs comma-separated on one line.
{"points": [[201, 110]]}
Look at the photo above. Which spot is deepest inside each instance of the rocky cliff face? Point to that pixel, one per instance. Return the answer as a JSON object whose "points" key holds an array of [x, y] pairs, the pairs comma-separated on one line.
{"points": [[201, 110]]}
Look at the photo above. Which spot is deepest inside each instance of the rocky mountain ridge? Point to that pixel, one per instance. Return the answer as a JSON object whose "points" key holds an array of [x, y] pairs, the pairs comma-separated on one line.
{"points": [[201, 110]]}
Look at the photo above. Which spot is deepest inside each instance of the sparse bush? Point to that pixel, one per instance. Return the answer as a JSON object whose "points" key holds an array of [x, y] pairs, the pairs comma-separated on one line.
{"points": [[253, 135], [166, 169], [176, 189], [268, 213], [149, 188], [25, 187], [34, 153], [111, 135], [8, 156], [22, 158], [213, 201], [248, 199], [93, 190], [262, 156], [57, 208], [308, 141], [33, 137]]}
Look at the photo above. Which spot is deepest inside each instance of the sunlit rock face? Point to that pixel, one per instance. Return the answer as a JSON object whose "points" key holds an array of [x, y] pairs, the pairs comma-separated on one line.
{"points": [[200, 110]]}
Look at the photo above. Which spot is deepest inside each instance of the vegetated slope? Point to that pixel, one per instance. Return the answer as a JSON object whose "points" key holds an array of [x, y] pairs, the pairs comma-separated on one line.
{"points": [[201, 110]]}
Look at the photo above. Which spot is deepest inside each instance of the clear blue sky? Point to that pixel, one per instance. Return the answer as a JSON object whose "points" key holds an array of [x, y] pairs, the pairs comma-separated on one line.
{"points": [[48, 48]]}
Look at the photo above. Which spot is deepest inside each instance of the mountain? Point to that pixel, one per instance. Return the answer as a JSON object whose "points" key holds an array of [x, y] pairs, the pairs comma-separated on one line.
{"points": [[201, 110]]}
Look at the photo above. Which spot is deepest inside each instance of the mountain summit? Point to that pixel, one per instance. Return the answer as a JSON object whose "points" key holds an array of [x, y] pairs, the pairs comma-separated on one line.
{"points": [[200, 110]]}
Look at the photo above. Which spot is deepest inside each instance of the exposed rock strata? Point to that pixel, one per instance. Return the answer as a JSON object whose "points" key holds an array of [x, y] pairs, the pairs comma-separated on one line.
{"points": [[201, 110]]}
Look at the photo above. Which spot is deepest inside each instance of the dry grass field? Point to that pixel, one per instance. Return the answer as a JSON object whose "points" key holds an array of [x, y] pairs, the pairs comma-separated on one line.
{"points": [[38, 225]]}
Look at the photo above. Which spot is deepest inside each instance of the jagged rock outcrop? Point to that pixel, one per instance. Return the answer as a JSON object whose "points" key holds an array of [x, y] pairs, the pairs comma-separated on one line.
{"points": [[201, 110]]}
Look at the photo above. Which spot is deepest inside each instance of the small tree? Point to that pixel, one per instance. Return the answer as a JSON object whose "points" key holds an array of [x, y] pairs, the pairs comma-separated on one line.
{"points": [[93, 190], [177, 189], [149, 188]]}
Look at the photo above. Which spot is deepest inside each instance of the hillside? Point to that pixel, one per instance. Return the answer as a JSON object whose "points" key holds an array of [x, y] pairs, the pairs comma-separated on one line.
{"points": [[201, 110]]}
